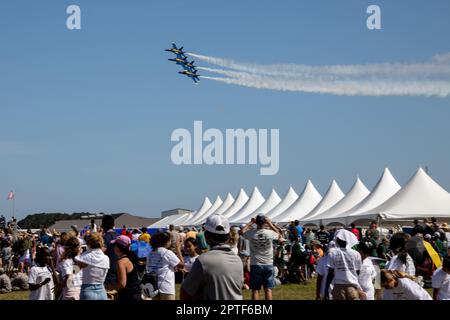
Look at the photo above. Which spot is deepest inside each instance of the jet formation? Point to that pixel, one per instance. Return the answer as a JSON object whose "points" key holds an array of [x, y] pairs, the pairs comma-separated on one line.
{"points": [[189, 68]]}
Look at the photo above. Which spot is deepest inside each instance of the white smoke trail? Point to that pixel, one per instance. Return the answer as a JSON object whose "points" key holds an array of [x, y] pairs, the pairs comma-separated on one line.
{"points": [[424, 79], [438, 66], [345, 87], [233, 74]]}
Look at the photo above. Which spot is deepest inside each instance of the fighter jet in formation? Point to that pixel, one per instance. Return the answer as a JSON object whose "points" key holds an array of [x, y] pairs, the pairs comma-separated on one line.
{"points": [[191, 74], [183, 62], [177, 51], [189, 68]]}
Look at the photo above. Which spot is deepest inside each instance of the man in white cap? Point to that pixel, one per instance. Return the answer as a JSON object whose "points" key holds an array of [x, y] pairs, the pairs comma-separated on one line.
{"points": [[216, 274], [344, 265]]}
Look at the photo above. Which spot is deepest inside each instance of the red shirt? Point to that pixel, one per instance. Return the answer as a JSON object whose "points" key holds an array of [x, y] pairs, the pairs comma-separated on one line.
{"points": [[356, 233], [126, 233]]}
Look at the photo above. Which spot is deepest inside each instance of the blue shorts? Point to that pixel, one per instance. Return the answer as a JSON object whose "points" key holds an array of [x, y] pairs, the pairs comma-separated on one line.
{"points": [[262, 275]]}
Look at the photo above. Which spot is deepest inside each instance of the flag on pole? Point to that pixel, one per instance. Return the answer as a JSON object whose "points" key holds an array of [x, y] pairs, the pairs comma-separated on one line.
{"points": [[10, 195]]}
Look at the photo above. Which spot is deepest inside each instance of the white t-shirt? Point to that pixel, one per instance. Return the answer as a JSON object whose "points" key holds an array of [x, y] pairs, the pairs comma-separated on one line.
{"points": [[163, 261], [189, 261], [261, 246], [366, 277], [66, 267], [322, 269], [396, 264], [36, 276], [97, 266], [441, 281], [408, 289], [346, 263]]}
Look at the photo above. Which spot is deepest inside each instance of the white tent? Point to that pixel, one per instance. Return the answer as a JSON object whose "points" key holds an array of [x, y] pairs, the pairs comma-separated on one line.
{"points": [[166, 221], [333, 195], [181, 221], [356, 194], [186, 217], [195, 219], [421, 197], [290, 197], [309, 198], [256, 200], [385, 188], [272, 200], [241, 200], [228, 202]]}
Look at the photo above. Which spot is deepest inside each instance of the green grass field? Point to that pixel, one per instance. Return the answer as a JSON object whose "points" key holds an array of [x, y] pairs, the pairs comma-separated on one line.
{"points": [[284, 292]]}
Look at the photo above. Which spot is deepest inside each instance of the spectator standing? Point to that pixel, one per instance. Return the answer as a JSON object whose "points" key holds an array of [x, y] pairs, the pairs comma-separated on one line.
{"points": [[128, 284], [373, 232], [261, 254], [201, 240], [355, 231], [299, 230], [174, 238], [216, 274], [417, 228], [234, 240], [42, 277], [322, 274], [428, 227], [344, 266], [45, 238], [70, 273], [308, 236], [95, 265], [382, 249], [109, 235], [191, 254], [191, 233], [367, 273], [441, 281], [164, 263], [92, 226], [401, 261], [145, 236], [323, 236], [60, 245]]}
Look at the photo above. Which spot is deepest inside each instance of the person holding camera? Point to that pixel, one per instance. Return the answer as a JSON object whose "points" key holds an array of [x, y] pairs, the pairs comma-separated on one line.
{"points": [[42, 277], [261, 254], [161, 266]]}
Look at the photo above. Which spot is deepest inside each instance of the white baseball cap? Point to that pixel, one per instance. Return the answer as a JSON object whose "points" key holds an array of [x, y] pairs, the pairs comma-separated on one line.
{"points": [[217, 224]]}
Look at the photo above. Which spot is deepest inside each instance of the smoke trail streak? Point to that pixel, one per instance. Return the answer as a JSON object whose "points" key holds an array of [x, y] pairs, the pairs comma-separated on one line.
{"points": [[438, 66], [424, 79], [345, 87], [233, 74]]}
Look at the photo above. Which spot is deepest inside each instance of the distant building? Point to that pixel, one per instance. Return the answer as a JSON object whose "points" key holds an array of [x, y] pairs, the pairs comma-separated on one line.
{"points": [[175, 211], [121, 219]]}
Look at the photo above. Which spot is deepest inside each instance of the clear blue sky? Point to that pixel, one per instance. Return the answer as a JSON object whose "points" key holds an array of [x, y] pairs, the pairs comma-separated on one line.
{"points": [[86, 116]]}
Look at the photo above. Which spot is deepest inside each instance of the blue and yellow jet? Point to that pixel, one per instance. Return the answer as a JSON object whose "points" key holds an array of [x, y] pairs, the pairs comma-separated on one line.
{"points": [[177, 51], [181, 59], [191, 74]]}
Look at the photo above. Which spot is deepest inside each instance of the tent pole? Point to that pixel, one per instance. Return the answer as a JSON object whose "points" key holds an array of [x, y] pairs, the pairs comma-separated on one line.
{"points": [[379, 223]]}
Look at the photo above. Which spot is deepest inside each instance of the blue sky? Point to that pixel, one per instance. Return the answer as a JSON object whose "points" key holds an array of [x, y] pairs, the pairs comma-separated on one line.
{"points": [[86, 116]]}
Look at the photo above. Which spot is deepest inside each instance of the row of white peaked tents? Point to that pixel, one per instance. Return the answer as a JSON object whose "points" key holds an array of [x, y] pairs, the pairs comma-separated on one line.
{"points": [[420, 197]]}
